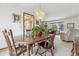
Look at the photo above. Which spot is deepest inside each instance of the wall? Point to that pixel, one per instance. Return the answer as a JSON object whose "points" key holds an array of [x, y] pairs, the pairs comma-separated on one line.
{"points": [[6, 21], [72, 19]]}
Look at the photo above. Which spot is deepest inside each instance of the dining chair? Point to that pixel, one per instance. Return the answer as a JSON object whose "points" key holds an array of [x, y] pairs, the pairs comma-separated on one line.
{"points": [[46, 45], [75, 49], [14, 50], [28, 32], [29, 35]]}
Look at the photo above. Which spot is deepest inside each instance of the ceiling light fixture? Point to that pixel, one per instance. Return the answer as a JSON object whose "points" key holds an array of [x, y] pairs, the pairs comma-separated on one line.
{"points": [[40, 13]]}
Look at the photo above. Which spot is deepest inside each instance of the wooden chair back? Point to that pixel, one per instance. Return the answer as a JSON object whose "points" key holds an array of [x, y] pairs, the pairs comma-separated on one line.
{"points": [[13, 49], [76, 48], [51, 41], [12, 41], [8, 41]]}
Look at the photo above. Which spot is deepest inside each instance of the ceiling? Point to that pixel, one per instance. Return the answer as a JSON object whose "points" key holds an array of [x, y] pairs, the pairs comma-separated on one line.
{"points": [[52, 10]]}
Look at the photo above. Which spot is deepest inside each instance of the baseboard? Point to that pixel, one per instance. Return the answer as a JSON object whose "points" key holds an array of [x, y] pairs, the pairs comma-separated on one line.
{"points": [[66, 41], [3, 48]]}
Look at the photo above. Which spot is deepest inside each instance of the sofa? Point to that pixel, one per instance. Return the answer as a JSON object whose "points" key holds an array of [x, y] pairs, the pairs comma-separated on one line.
{"points": [[69, 35]]}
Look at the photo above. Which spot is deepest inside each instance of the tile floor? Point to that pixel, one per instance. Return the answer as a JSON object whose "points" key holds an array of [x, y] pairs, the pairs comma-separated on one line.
{"points": [[61, 49]]}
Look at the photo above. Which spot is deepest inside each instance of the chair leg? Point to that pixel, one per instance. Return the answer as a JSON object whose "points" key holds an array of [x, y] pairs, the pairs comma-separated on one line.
{"points": [[36, 52], [53, 46], [72, 51], [52, 53], [45, 53], [23, 54], [32, 51], [29, 53]]}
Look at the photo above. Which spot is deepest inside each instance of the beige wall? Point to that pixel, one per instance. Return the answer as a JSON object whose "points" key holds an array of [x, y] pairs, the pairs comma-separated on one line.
{"points": [[74, 19], [6, 21]]}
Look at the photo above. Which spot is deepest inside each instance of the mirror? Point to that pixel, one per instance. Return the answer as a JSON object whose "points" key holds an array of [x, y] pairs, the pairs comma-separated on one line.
{"points": [[28, 23]]}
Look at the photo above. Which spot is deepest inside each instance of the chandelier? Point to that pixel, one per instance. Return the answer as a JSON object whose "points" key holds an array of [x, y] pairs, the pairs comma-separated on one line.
{"points": [[40, 13]]}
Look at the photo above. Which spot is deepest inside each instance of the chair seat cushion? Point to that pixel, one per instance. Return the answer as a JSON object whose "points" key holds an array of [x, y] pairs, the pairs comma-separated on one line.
{"points": [[43, 44], [20, 50]]}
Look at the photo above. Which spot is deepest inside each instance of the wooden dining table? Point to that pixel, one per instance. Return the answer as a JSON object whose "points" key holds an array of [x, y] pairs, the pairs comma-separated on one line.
{"points": [[31, 41]]}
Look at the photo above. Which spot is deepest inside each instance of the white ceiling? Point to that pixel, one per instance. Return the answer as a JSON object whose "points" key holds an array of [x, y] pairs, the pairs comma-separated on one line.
{"points": [[52, 10]]}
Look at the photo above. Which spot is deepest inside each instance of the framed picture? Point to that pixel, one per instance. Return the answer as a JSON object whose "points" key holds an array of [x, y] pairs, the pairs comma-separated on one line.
{"points": [[37, 22], [70, 25], [16, 17]]}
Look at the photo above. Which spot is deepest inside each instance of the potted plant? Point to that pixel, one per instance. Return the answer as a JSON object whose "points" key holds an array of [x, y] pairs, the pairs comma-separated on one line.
{"points": [[38, 30], [53, 29]]}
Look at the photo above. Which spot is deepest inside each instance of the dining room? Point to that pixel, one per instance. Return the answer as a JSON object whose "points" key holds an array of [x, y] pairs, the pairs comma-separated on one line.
{"points": [[38, 29]]}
